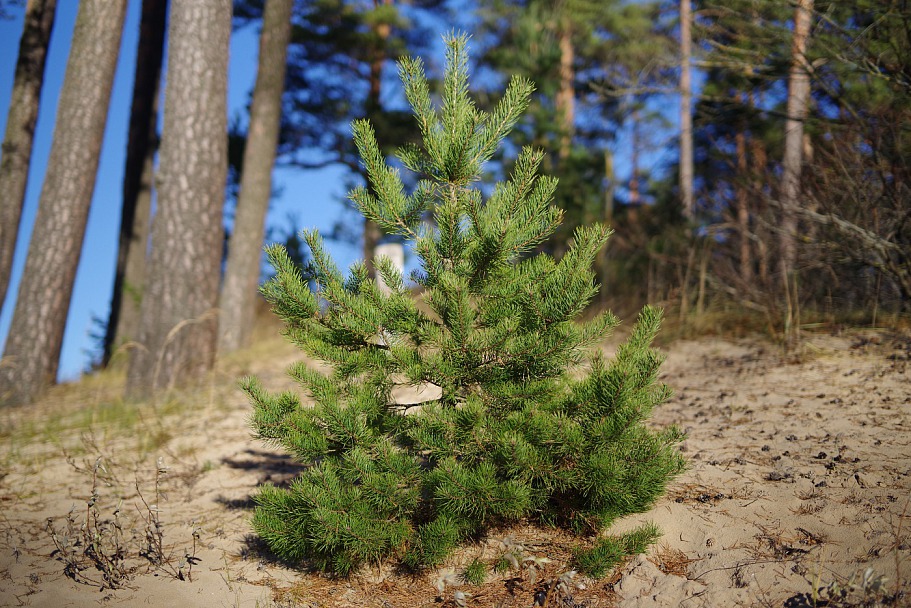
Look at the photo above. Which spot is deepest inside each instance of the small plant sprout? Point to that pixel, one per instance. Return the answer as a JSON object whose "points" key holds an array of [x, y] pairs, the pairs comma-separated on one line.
{"points": [[475, 572]]}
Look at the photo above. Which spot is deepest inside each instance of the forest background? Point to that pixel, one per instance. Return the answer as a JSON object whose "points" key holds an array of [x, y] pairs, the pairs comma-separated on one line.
{"points": [[314, 197], [785, 204]]}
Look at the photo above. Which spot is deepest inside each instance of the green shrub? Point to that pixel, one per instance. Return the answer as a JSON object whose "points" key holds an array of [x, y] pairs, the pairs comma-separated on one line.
{"points": [[520, 428]]}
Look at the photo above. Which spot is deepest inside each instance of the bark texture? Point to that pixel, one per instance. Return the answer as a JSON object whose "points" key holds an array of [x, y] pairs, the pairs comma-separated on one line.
{"points": [[798, 99], [129, 276], [126, 326], [758, 161], [238, 294], [36, 334], [20, 128], [687, 195], [178, 331], [565, 102], [743, 210]]}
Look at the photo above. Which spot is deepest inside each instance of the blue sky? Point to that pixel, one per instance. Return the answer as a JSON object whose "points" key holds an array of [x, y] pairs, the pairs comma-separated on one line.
{"points": [[313, 196]]}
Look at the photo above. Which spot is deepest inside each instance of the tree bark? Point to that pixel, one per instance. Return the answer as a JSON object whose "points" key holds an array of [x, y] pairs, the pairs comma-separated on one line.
{"points": [[607, 217], [178, 330], [129, 276], [238, 294], [20, 128], [36, 333], [758, 161], [743, 209], [798, 99], [135, 273], [634, 161], [686, 112], [565, 102]]}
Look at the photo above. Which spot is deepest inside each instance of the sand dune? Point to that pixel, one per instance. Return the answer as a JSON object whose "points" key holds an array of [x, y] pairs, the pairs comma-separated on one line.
{"points": [[799, 479]]}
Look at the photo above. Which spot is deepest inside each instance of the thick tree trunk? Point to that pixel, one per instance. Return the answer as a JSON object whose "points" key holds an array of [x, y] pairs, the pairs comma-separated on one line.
{"points": [[798, 99], [135, 273], [20, 128], [178, 330], [36, 334], [686, 113], [129, 276], [238, 294]]}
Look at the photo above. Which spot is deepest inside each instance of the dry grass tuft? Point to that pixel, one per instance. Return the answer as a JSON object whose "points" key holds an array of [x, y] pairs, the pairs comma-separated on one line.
{"points": [[672, 561]]}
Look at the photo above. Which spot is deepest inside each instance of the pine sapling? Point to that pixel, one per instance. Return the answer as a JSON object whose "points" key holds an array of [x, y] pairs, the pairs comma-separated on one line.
{"points": [[523, 421]]}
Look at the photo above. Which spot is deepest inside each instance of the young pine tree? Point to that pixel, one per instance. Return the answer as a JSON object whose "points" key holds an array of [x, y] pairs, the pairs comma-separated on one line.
{"points": [[517, 430]]}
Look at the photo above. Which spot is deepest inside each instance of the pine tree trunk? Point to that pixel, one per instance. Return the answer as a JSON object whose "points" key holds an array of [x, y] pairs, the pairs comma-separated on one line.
{"points": [[743, 210], [372, 235], [565, 109], [798, 99], [565, 101], [36, 333], [129, 275], [238, 295], [20, 128], [634, 161], [607, 218], [178, 330], [686, 112], [758, 161], [135, 273]]}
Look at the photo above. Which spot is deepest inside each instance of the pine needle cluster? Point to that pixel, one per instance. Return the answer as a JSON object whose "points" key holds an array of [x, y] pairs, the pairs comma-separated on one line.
{"points": [[524, 422]]}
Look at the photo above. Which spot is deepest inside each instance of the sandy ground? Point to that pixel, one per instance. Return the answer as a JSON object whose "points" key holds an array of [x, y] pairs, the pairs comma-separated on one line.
{"points": [[799, 479]]}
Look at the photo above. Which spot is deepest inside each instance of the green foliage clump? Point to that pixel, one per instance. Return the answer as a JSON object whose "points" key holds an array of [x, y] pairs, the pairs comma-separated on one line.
{"points": [[514, 428], [475, 572], [609, 551]]}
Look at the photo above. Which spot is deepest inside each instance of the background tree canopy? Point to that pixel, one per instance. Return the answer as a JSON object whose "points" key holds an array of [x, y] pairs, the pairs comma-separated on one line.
{"points": [[799, 136]]}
